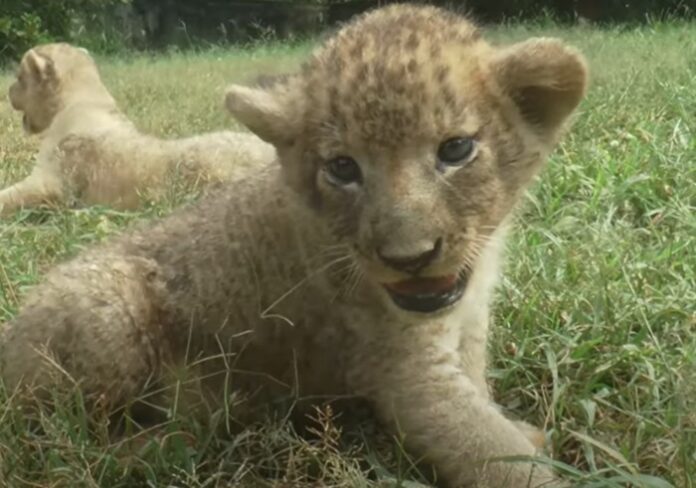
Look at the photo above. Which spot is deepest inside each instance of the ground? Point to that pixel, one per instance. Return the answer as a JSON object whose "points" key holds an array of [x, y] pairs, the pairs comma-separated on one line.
{"points": [[595, 332]]}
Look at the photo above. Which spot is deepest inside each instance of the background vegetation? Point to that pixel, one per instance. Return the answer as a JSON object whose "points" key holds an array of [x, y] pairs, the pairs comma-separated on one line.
{"points": [[116, 25], [24, 23], [595, 333]]}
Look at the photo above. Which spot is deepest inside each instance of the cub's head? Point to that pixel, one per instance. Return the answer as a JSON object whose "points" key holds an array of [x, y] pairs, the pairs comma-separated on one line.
{"points": [[412, 138], [48, 76]]}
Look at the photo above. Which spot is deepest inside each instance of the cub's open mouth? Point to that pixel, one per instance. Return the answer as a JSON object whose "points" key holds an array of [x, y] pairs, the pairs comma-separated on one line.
{"points": [[428, 295]]}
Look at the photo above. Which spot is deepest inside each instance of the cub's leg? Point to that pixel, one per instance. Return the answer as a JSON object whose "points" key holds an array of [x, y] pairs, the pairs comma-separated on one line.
{"points": [[36, 189], [535, 435], [473, 360], [93, 321], [444, 417]]}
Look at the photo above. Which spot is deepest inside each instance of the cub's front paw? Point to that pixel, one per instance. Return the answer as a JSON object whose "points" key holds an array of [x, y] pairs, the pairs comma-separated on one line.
{"points": [[533, 435]]}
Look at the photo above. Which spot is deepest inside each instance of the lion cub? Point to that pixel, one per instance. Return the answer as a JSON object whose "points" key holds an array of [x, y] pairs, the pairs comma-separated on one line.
{"points": [[90, 152], [362, 264]]}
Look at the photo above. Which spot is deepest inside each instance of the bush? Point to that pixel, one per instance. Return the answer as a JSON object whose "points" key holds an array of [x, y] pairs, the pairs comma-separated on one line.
{"points": [[25, 23], [596, 10], [114, 25]]}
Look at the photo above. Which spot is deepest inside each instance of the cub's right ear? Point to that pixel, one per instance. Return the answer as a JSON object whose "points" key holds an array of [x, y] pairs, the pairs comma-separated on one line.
{"points": [[265, 112], [41, 67]]}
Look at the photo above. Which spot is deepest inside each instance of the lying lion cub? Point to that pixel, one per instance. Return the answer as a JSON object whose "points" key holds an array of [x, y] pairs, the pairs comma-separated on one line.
{"points": [[362, 264], [92, 154]]}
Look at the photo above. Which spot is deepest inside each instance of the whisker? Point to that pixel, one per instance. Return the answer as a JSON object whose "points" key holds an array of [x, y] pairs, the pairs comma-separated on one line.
{"points": [[350, 276], [345, 270], [297, 285], [329, 251], [345, 288], [358, 278]]}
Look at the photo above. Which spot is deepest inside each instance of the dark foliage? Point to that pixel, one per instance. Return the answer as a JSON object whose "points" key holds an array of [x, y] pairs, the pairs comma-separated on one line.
{"points": [[105, 24], [25, 23]]}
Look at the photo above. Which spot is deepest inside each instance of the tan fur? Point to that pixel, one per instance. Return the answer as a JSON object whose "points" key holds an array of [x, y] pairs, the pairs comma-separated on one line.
{"points": [[280, 278], [91, 154]]}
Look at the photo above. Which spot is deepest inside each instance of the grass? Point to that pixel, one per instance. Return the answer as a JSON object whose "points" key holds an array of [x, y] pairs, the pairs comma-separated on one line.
{"points": [[596, 316]]}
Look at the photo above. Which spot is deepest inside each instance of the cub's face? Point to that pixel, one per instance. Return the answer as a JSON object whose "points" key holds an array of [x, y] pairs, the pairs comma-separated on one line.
{"points": [[39, 91], [413, 139]]}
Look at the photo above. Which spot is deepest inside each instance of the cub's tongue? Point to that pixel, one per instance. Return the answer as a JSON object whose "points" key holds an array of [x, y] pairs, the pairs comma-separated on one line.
{"points": [[423, 286]]}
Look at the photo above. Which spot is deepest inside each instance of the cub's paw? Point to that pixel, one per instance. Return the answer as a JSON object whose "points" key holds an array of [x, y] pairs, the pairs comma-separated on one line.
{"points": [[533, 435]]}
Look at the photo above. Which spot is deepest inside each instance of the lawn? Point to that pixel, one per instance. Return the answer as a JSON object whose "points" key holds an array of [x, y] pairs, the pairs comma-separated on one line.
{"points": [[595, 333]]}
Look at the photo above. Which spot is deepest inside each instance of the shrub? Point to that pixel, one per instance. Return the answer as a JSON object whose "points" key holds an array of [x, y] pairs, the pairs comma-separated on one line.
{"points": [[25, 23]]}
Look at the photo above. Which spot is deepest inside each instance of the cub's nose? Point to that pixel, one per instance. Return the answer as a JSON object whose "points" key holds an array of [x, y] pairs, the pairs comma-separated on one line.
{"points": [[413, 258]]}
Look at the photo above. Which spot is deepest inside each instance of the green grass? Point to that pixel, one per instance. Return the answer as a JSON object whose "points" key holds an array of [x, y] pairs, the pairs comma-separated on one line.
{"points": [[596, 316]]}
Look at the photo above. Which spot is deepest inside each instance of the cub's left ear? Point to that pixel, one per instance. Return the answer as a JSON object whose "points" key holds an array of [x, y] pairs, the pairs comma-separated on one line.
{"points": [[545, 78], [40, 66], [266, 112]]}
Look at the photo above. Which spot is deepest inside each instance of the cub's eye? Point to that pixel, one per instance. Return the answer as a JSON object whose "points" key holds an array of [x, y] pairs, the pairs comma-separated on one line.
{"points": [[456, 151], [342, 171]]}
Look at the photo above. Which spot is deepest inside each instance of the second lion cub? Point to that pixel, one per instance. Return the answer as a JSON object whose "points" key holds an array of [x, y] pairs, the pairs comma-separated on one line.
{"points": [[91, 153]]}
